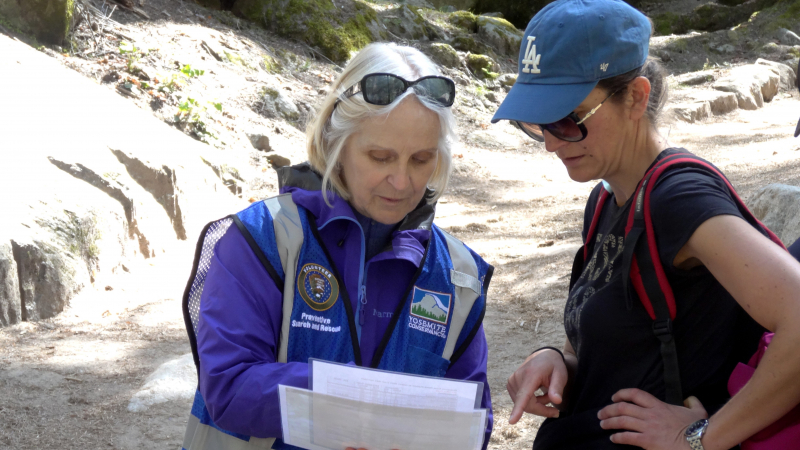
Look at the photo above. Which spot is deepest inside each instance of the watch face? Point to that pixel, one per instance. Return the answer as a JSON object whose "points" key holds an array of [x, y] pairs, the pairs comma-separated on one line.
{"points": [[695, 427]]}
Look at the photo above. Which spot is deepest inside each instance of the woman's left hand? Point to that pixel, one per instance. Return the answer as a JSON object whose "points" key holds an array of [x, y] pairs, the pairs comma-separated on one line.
{"points": [[650, 423]]}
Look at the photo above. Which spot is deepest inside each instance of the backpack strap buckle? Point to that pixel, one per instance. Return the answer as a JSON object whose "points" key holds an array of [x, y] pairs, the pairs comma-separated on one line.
{"points": [[663, 329]]}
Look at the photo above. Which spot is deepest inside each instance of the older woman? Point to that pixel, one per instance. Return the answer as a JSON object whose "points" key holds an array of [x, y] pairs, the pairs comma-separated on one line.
{"points": [[587, 90], [345, 265]]}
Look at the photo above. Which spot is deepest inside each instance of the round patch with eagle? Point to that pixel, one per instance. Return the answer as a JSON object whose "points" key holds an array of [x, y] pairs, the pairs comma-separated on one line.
{"points": [[318, 287]]}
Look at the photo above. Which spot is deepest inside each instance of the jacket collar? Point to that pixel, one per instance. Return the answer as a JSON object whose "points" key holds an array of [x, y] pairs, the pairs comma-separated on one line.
{"points": [[408, 241]]}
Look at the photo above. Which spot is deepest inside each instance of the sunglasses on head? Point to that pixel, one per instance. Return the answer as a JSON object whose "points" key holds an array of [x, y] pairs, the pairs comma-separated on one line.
{"points": [[384, 88], [570, 128]]}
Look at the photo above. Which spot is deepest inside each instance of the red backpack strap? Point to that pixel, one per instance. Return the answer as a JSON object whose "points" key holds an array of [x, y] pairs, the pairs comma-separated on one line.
{"points": [[647, 276], [690, 160], [649, 280], [640, 211], [583, 252]]}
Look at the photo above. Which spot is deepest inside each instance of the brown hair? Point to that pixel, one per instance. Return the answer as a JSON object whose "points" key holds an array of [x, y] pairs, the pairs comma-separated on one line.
{"points": [[659, 90]]}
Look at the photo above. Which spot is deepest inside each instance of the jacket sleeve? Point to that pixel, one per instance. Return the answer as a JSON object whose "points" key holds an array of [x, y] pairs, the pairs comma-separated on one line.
{"points": [[472, 367], [237, 341]]}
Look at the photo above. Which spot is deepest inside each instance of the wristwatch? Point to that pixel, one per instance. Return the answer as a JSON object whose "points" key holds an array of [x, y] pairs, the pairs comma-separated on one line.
{"points": [[694, 433]]}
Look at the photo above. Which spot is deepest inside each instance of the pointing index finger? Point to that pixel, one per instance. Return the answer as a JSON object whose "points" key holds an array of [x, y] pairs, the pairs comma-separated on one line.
{"points": [[521, 400]]}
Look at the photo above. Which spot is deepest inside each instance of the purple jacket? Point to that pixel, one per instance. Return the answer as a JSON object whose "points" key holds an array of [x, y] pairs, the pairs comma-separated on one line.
{"points": [[241, 312]]}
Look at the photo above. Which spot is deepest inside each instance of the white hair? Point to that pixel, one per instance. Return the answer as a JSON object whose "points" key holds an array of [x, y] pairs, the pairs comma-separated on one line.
{"points": [[329, 131]]}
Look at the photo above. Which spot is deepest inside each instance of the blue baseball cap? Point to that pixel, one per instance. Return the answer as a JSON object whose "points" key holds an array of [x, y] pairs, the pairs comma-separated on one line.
{"points": [[568, 47]]}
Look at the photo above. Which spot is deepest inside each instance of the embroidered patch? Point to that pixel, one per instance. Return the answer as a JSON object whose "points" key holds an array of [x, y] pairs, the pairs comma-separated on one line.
{"points": [[429, 305], [318, 287], [531, 60]]}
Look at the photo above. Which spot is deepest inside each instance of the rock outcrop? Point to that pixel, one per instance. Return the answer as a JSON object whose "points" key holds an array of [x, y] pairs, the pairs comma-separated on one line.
{"points": [[337, 31], [500, 34], [701, 104], [172, 381], [48, 279], [443, 54], [405, 22], [95, 191], [10, 304], [47, 20], [752, 84], [788, 78], [744, 87], [778, 207], [709, 16], [482, 66], [276, 104]]}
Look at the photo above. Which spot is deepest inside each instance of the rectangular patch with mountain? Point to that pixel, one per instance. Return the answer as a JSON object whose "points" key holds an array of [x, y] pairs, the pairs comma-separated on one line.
{"points": [[430, 305]]}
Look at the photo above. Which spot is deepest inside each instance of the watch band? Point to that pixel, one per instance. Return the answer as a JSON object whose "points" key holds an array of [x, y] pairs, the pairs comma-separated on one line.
{"points": [[694, 443], [694, 433]]}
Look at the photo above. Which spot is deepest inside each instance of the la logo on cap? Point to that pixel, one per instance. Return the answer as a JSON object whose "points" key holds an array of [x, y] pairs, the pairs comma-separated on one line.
{"points": [[531, 61]]}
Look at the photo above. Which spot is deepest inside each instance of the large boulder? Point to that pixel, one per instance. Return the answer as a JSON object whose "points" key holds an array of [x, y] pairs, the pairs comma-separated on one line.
{"points": [[507, 81], [500, 34], [691, 112], [520, 12], [719, 102], [48, 20], [787, 37], [465, 35], [695, 78], [700, 104], [752, 84], [443, 54], [788, 77], [173, 381], [405, 22], [708, 16], [713, 16], [482, 66], [464, 20], [467, 43], [778, 207], [275, 103], [338, 30], [10, 304], [48, 279]]}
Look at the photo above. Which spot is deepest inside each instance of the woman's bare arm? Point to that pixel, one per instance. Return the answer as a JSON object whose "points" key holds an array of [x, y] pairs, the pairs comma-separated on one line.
{"points": [[765, 280]]}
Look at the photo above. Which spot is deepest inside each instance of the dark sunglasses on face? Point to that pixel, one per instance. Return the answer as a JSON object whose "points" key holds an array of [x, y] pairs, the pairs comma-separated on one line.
{"points": [[570, 128], [384, 88]]}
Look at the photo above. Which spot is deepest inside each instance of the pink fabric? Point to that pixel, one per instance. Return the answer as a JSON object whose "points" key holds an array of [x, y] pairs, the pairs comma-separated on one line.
{"points": [[781, 435]]}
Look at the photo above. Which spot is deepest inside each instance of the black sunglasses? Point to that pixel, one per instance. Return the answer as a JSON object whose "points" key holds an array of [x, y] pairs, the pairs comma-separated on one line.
{"points": [[570, 128], [384, 88]]}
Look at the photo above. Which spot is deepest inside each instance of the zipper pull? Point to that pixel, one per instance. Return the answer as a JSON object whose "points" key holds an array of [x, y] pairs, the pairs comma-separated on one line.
{"points": [[362, 297]]}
